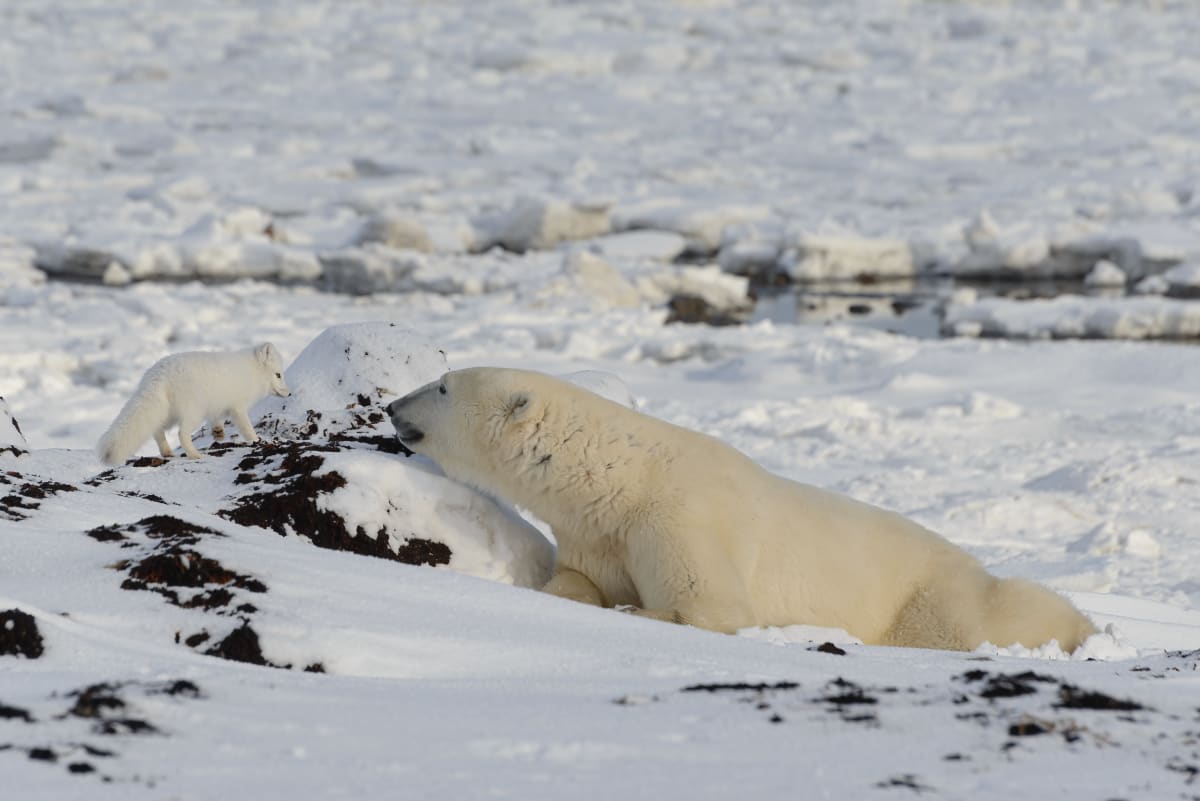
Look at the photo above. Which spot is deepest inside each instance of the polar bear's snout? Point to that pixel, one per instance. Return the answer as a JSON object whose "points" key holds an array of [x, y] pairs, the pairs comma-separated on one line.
{"points": [[406, 431]]}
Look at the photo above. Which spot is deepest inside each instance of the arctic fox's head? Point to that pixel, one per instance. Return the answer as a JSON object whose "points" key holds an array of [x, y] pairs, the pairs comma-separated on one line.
{"points": [[272, 363], [474, 423]]}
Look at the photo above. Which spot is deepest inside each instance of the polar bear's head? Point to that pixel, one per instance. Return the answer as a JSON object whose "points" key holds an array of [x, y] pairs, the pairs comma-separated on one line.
{"points": [[478, 424]]}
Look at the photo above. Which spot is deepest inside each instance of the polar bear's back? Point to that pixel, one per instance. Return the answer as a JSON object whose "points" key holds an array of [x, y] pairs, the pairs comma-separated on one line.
{"points": [[807, 553]]}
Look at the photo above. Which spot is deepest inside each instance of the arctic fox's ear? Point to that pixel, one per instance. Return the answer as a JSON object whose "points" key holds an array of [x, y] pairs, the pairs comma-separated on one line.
{"points": [[266, 353]]}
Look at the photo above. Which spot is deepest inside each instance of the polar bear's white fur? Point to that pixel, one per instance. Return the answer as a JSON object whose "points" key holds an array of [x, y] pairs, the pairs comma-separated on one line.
{"points": [[685, 528]]}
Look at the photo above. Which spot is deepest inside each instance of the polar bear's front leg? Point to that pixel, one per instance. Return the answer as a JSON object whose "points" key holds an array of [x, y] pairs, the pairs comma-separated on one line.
{"points": [[574, 586]]}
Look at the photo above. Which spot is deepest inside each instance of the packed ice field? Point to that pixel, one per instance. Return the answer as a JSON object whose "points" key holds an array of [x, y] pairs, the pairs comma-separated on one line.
{"points": [[537, 185]]}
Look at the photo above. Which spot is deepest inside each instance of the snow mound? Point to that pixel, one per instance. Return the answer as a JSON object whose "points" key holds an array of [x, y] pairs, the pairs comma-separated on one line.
{"points": [[396, 231], [486, 538], [701, 225], [371, 268], [997, 252], [337, 479], [811, 257], [540, 223], [12, 441], [344, 374], [1074, 317], [590, 277], [1105, 275], [16, 265], [646, 245], [1183, 281]]}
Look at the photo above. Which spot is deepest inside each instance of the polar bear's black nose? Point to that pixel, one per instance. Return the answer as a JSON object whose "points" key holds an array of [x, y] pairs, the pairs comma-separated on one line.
{"points": [[406, 432]]}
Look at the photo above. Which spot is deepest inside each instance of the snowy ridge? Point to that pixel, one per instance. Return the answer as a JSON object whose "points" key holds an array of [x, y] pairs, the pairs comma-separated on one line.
{"points": [[564, 123], [179, 578]]}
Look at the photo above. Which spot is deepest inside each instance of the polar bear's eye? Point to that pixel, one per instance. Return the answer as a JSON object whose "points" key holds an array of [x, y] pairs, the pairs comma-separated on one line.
{"points": [[442, 388]]}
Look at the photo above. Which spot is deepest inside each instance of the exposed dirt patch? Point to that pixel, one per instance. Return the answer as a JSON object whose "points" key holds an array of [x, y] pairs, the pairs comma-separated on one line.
{"points": [[241, 645], [149, 496], [186, 568], [740, 687], [1072, 697], [14, 507], [829, 648], [907, 782], [179, 687], [1002, 685], [147, 461], [841, 692], [103, 703], [288, 504], [96, 701], [195, 640], [172, 563], [19, 635], [378, 442], [14, 713], [111, 533], [26, 495]]}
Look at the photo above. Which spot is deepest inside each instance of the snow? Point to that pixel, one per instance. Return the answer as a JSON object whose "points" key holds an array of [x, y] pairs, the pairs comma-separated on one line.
{"points": [[529, 184], [11, 439], [1105, 275], [1071, 316], [1183, 281]]}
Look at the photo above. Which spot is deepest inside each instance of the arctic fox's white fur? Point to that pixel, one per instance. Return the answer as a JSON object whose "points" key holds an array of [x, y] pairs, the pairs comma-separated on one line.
{"points": [[185, 389]]}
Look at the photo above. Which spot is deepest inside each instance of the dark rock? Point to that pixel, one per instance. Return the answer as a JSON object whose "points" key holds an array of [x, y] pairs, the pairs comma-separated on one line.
{"points": [[19, 635], [241, 645], [95, 701], [686, 308], [14, 713]]}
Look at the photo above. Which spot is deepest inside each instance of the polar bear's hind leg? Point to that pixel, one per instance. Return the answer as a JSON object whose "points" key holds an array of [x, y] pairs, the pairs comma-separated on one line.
{"points": [[961, 611], [1019, 611]]}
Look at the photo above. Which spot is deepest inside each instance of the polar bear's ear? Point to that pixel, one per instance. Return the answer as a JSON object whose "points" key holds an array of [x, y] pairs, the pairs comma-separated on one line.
{"points": [[520, 406]]}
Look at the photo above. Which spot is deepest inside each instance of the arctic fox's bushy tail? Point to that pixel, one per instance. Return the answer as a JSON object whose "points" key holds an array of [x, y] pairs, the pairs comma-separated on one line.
{"points": [[142, 416]]}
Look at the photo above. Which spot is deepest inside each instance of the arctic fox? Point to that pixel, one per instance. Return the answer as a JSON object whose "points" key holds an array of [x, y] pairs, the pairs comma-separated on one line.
{"points": [[185, 389]]}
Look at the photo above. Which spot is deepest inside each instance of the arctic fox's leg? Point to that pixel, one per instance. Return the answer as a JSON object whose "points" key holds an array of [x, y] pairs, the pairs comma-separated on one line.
{"points": [[243, 425], [160, 437], [186, 427], [217, 426]]}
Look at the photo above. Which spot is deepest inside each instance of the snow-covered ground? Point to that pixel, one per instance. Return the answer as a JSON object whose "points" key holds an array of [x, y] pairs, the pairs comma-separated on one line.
{"points": [[529, 184]]}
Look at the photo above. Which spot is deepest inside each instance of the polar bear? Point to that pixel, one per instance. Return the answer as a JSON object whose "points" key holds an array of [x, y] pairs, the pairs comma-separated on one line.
{"points": [[685, 528]]}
